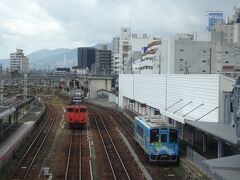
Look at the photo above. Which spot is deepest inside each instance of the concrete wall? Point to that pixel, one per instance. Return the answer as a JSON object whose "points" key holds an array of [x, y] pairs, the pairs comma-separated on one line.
{"points": [[226, 85], [97, 84]]}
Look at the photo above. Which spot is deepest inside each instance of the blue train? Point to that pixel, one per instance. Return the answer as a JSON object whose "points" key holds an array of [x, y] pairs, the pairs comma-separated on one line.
{"points": [[159, 140]]}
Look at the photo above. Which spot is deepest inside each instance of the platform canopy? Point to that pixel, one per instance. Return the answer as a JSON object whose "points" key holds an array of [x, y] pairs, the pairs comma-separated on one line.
{"points": [[221, 131], [226, 167]]}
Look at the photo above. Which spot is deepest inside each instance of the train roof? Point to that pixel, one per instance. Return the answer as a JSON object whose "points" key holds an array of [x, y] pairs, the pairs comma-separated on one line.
{"points": [[153, 121], [76, 106]]}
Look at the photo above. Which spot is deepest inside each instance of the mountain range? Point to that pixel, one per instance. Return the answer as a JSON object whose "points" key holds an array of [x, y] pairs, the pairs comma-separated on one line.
{"points": [[50, 59], [45, 58]]}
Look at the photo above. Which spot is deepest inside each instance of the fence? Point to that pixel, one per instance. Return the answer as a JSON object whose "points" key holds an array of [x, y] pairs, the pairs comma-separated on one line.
{"points": [[198, 160]]}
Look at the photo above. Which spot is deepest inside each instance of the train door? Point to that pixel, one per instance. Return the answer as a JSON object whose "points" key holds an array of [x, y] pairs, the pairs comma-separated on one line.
{"points": [[173, 140], [76, 110], [154, 138], [164, 137], [153, 145], [173, 136]]}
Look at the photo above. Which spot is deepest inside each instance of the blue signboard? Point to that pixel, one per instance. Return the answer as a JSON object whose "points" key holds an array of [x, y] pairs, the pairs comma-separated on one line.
{"points": [[214, 17]]}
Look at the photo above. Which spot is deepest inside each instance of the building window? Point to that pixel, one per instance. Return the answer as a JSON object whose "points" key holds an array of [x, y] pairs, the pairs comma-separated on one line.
{"points": [[204, 61], [226, 52], [181, 59], [181, 69], [125, 30], [181, 49], [226, 62], [204, 70], [204, 51]]}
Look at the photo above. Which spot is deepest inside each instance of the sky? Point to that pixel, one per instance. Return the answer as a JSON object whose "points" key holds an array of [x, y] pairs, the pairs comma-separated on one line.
{"points": [[49, 24]]}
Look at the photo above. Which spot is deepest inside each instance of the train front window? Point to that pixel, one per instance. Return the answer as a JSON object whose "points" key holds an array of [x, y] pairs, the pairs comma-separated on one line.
{"points": [[76, 110], [70, 110], [154, 135], [173, 136]]}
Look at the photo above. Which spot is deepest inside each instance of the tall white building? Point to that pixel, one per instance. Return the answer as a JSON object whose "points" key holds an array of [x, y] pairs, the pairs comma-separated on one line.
{"points": [[129, 46], [19, 62], [149, 62], [115, 55]]}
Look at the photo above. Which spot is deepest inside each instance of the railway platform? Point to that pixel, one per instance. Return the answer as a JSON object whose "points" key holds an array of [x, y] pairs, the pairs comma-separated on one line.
{"points": [[12, 142]]}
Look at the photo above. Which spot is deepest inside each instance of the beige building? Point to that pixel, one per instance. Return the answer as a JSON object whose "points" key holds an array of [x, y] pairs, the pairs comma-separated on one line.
{"points": [[228, 30], [19, 62]]}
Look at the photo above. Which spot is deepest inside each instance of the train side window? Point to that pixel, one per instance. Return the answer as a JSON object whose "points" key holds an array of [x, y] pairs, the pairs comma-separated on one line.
{"points": [[140, 130], [163, 138], [82, 110], [173, 136], [70, 110], [154, 135]]}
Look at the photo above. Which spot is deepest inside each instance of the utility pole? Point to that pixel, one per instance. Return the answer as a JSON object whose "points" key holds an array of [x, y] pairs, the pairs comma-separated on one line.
{"points": [[159, 66], [1, 92], [25, 88]]}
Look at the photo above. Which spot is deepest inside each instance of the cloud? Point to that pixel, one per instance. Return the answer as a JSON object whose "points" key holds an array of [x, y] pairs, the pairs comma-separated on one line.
{"points": [[41, 24]]}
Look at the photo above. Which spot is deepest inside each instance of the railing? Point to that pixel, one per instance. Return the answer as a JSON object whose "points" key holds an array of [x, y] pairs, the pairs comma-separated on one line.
{"points": [[197, 160]]}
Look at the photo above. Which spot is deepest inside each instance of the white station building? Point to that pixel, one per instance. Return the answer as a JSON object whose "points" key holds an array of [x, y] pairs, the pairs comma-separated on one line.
{"points": [[198, 104]]}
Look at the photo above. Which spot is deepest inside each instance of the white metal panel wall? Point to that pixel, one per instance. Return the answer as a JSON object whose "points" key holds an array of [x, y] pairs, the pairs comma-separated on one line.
{"points": [[150, 89], [161, 91], [125, 87], [200, 89]]}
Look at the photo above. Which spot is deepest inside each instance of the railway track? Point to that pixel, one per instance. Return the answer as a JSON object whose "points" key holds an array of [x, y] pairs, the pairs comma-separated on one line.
{"points": [[117, 166], [24, 166], [156, 169], [74, 168]]}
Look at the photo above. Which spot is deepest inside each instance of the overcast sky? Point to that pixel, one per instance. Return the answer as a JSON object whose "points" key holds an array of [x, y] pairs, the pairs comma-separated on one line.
{"points": [[49, 24]]}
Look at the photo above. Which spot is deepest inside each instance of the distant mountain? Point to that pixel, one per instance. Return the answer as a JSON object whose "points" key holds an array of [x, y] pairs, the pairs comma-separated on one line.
{"points": [[4, 63], [45, 58], [53, 58]]}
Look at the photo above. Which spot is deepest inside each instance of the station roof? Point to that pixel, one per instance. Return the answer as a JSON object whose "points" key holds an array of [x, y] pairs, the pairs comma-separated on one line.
{"points": [[221, 131], [226, 167]]}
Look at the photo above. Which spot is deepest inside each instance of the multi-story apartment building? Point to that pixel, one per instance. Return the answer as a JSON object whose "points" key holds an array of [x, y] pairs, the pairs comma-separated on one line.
{"points": [[102, 62], [95, 61], [86, 57], [231, 27], [19, 62], [149, 61], [126, 48], [198, 53], [115, 55]]}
